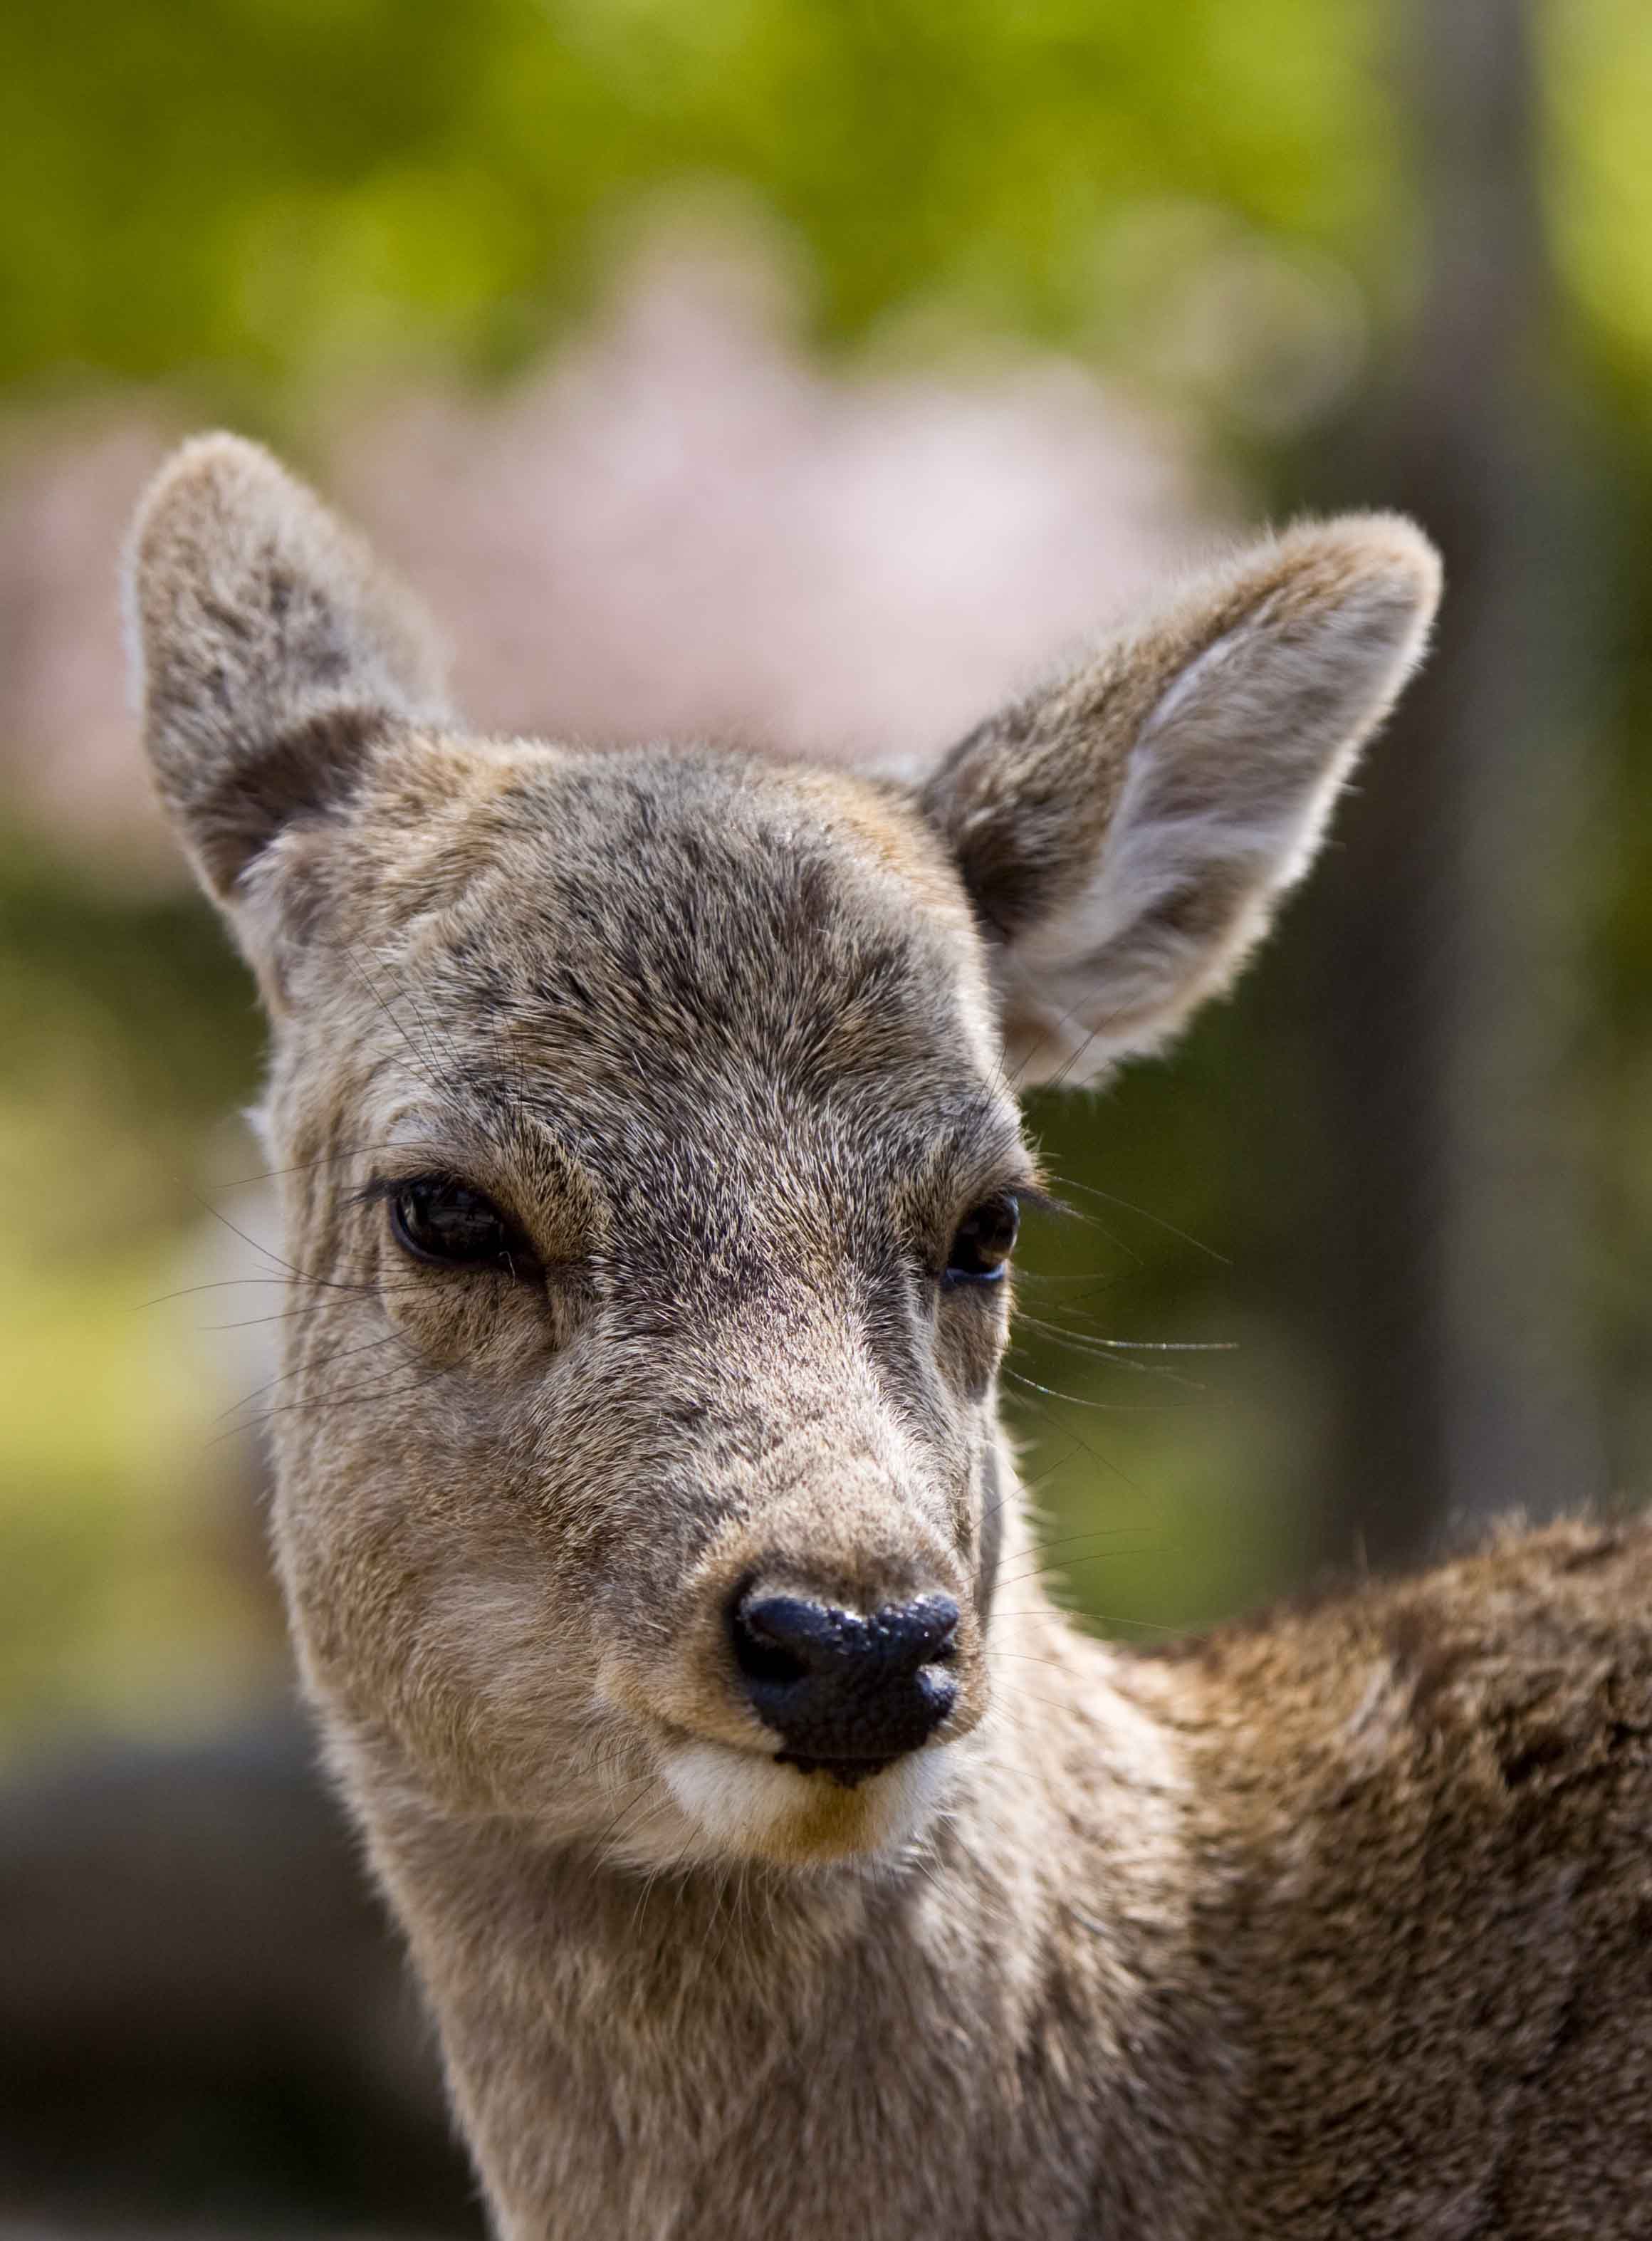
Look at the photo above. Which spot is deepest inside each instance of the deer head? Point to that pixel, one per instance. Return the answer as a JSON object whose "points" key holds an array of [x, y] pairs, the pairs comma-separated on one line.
{"points": [[648, 1128]]}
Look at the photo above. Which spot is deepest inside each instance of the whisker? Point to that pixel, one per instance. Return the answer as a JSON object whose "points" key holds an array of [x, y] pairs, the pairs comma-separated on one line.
{"points": [[1142, 1214], [228, 1283], [310, 1307], [424, 1058], [1101, 1618], [325, 1402], [1065, 1564], [1094, 1221], [1102, 1463], [1146, 1345], [303, 1166], [1030, 1697], [1075, 1563], [329, 1283], [341, 1354], [1096, 1533], [430, 1025], [1047, 1035], [1099, 1349], [1026, 1276], [1079, 1400], [638, 1791]]}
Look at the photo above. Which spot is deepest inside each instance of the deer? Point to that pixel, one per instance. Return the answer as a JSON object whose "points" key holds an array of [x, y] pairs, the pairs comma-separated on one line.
{"points": [[648, 1129]]}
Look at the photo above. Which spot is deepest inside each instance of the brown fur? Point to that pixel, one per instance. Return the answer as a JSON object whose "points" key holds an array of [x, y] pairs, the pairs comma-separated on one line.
{"points": [[1336, 1926]]}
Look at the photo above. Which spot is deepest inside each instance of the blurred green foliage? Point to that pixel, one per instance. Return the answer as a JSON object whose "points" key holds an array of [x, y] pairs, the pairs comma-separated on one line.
{"points": [[249, 194], [256, 191], [127, 1028]]}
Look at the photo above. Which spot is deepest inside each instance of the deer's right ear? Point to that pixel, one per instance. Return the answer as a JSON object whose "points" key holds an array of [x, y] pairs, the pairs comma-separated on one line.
{"points": [[271, 654]]}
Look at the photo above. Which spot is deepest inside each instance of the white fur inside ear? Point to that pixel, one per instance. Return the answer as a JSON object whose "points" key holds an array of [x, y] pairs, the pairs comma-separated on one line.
{"points": [[1117, 941], [1198, 673], [1227, 789]]}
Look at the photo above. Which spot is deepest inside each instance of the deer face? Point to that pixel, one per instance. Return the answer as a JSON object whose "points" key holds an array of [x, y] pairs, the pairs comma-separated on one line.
{"points": [[658, 1172], [652, 1162]]}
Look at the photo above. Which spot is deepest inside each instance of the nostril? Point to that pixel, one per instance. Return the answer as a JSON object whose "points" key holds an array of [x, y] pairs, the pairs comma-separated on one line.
{"points": [[909, 1636], [928, 1629], [766, 1640]]}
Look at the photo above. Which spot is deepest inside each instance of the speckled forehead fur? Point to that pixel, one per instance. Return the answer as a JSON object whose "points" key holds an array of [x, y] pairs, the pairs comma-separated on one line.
{"points": [[664, 937], [1335, 1925]]}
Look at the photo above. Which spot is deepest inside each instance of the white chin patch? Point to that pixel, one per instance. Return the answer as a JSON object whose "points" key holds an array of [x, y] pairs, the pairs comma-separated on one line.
{"points": [[750, 1806]]}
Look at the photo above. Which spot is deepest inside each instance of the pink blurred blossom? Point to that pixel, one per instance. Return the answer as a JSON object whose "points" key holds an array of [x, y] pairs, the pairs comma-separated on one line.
{"points": [[678, 526]]}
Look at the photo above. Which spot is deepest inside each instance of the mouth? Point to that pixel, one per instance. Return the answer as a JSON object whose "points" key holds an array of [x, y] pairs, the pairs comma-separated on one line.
{"points": [[745, 1803], [849, 1773]]}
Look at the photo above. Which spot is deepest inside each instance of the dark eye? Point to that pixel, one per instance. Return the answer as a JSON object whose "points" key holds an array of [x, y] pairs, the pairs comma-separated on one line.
{"points": [[985, 1240], [436, 1219]]}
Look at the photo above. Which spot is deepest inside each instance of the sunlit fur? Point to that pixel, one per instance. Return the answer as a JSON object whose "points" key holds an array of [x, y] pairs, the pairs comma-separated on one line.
{"points": [[1333, 1926]]}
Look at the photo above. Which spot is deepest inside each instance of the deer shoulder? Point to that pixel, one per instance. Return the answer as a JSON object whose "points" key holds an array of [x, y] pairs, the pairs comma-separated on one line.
{"points": [[1422, 1889]]}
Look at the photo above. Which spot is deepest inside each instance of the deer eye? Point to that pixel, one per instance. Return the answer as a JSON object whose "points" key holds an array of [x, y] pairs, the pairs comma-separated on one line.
{"points": [[435, 1218], [986, 1239]]}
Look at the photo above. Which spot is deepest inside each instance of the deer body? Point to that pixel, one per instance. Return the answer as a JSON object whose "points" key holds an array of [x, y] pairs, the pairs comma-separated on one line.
{"points": [[775, 1857]]}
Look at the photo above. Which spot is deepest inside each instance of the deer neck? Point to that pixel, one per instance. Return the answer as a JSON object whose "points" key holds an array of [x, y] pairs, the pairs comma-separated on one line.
{"points": [[605, 2032]]}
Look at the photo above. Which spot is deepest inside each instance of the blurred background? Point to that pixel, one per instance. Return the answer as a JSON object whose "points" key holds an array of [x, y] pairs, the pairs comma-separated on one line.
{"points": [[804, 373]]}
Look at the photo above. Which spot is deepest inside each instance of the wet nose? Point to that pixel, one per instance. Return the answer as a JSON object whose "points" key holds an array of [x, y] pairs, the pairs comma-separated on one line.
{"points": [[843, 1688]]}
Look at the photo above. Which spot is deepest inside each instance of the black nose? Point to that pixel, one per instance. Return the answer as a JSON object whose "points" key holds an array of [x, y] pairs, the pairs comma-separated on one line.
{"points": [[843, 1691]]}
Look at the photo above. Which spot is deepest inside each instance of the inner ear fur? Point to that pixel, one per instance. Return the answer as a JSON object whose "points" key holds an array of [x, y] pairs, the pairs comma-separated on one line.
{"points": [[1126, 830], [271, 651]]}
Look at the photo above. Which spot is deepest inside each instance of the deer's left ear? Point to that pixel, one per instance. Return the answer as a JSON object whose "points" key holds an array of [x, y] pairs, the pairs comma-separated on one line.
{"points": [[1125, 832]]}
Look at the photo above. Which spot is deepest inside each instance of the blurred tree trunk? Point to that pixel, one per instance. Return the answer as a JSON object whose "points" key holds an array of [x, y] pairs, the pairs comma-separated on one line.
{"points": [[1447, 985]]}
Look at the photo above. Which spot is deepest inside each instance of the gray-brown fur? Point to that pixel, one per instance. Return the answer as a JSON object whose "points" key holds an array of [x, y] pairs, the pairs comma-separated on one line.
{"points": [[1332, 1927]]}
